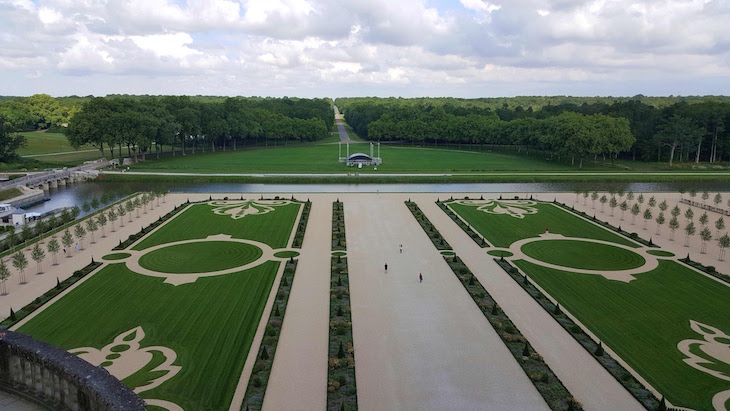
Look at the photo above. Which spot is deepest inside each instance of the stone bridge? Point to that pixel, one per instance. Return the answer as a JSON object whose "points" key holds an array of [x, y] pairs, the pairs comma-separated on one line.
{"points": [[54, 178]]}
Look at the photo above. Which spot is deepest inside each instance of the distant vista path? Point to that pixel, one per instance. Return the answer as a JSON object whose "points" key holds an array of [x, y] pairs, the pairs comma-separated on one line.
{"points": [[340, 128], [376, 174]]}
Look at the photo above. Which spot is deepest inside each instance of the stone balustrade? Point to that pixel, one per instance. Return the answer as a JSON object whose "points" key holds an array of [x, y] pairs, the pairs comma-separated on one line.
{"points": [[58, 379]]}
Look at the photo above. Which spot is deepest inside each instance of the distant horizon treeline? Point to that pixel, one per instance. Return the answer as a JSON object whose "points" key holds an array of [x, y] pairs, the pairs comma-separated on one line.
{"points": [[687, 129]]}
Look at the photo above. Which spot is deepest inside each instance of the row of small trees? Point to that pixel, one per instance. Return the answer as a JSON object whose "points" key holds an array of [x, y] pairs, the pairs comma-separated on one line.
{"points": [[92, 224], [690, 229]]}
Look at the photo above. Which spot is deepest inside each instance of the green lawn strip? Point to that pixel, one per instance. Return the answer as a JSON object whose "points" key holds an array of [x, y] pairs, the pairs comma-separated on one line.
{"points": [[313, 158], [48, 295], [339, 240], [433, 234], [210, 324], [64, 226], [44, 142], [709, 270], [501, 230], [341, 385], [259, 380], [464, 226], [302, 227], [499, 253], [115, 256], [273, 228], [9, 193], [547, 383], [632, 235], [200, 257], [286, 254], [583, 255], [635, 388], [660, 253], [644, 320]]}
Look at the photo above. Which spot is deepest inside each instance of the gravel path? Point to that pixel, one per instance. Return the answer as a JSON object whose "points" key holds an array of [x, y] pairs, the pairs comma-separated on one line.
{"points": [[420, 346], [298, 378], [584, 377]]}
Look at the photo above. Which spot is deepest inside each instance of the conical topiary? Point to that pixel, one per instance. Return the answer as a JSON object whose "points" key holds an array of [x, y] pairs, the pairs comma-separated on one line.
{"points": [[526, 350], [557, 311], [264, 354], [341, 351], [662, 405], [276, 311], [339, 311], [599, 350], [339, 281], [58, 284], [284, 281], [12, 315], [495, 310], [471, 280]]}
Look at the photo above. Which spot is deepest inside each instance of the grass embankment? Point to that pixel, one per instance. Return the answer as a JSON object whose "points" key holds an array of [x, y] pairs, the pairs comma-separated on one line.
{"points": [[502, 230], [210, 323], [644, 320], [9, 193], [593, 256]]}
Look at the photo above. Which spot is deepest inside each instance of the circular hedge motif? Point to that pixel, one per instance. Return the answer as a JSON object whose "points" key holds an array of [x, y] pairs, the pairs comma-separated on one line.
{"points": [[499, 253], [583, 255], [447, 253], [200, 257], [660, 253], [286, 254], [116, 256]]}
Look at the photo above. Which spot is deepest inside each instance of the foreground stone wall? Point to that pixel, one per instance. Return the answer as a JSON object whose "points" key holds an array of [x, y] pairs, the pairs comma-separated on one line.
{"points": [[60, 379]]}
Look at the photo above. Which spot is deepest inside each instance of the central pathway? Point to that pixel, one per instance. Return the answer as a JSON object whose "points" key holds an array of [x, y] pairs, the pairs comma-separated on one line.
{"points": [[340, 128], [420, 346]]}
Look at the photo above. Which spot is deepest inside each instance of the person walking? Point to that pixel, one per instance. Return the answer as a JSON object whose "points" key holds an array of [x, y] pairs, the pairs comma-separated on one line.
{"points": [[77, 247], [386, 267], [420, 277], [401, 248]]}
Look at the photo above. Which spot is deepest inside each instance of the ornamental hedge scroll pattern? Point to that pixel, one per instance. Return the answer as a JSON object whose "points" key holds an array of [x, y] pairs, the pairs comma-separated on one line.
{"points": [[512, 208], [237, 209], [710, 355]]}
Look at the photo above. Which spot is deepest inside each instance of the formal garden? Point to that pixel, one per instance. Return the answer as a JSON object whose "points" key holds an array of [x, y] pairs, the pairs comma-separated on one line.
{"points": [[666, 320], [174, 315]]}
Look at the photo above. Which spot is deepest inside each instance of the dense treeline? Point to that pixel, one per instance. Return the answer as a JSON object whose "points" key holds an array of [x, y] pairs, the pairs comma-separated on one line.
{"points": [[139, 123], [37, 112], [685, 129]]}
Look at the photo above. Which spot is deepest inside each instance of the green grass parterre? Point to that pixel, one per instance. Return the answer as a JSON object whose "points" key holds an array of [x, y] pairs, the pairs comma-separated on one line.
{"points": [[643, 320], [210, 324]]}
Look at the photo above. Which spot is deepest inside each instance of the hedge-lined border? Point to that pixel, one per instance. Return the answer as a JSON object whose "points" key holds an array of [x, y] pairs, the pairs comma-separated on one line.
{"points": [[259, 380], [133, 238], [339, 240], [645, 397], [48, 295], [478, 239], [302, 227], [709, 270], [543, 378], [341, 385], [437, 239]]}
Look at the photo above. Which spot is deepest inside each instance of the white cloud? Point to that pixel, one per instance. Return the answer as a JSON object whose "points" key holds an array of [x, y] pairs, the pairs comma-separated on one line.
{"points": [[364, 47]]}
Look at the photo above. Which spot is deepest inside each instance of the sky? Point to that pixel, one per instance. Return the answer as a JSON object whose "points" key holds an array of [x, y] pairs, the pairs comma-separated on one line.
{"points": [[338, 48]]}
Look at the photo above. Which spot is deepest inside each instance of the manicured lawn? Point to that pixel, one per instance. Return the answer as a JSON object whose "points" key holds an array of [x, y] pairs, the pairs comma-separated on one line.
{"points": [[9, 193], [273, 228], [583, 255], [323, 159], [209, 324], [200, 257], [502, 230], [42, 142], [645, 319]]}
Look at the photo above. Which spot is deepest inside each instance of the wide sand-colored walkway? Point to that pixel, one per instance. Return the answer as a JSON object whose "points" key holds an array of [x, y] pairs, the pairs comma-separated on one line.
{"points": [[420, 346], [298, 378], [584, 377]]}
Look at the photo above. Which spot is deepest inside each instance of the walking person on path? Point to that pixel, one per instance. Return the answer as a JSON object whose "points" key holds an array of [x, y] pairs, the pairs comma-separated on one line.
{"points": [[77, 247], [401, 248], [420, 277], [386, 267]]}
